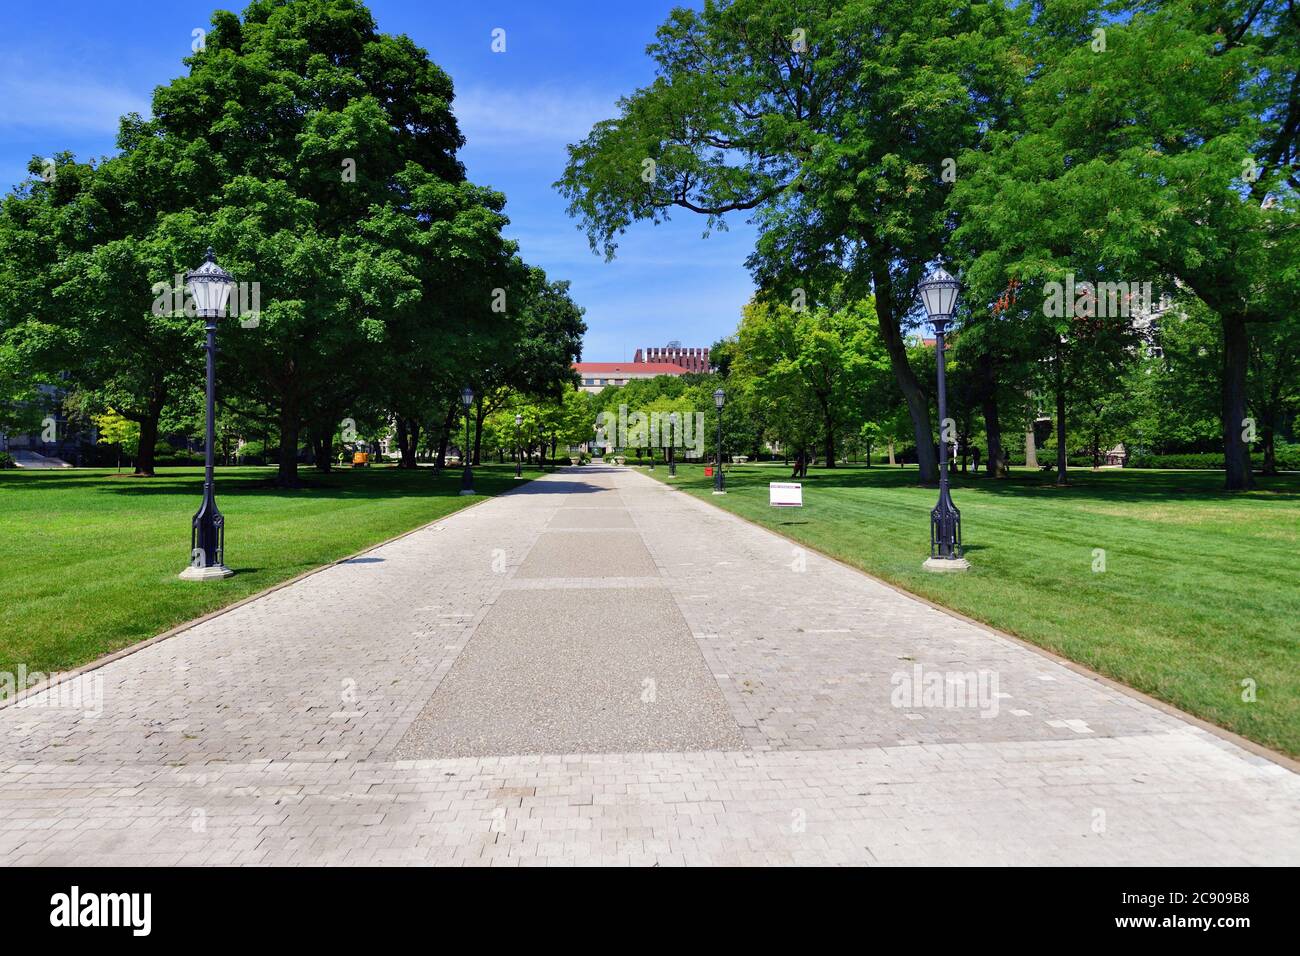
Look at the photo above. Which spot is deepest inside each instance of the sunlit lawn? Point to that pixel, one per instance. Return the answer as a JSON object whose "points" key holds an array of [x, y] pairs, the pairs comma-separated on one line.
{"points": [[89, 558], [1200, 592]]}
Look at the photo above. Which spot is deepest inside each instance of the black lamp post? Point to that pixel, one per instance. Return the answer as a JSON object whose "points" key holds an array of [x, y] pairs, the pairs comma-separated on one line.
{"points": [[719, 485], [209, 286], [519, 454], [467, 476], [939, 296], [674, 433]]}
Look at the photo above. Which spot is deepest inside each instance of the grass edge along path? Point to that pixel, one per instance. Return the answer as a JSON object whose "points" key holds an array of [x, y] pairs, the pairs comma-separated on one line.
{"points": [[88, 558], [1194, 604]]}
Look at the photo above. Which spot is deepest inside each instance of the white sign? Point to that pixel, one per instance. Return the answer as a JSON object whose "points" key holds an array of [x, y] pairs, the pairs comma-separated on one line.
{"points": [[785, 494]]}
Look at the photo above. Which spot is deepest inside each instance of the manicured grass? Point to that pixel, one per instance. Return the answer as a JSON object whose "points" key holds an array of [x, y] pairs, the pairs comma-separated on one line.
{"points": [[89, 558], [1201, 588]]}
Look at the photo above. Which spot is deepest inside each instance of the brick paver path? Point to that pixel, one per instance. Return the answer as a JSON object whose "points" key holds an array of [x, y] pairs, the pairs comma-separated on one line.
{"points": [[598, 668]]}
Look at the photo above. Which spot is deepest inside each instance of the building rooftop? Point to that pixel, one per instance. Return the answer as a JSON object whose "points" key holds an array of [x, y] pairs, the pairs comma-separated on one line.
{"points": [[625, 368]]}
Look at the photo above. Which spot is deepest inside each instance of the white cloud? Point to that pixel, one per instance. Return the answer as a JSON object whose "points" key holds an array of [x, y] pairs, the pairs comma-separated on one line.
{"points": [[532, 119], [32, 100]]}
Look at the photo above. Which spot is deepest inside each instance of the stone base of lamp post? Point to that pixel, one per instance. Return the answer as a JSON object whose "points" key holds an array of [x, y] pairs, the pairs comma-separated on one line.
{"points": [[468, 491], [211, 573], [719, 492], [946, 564]]}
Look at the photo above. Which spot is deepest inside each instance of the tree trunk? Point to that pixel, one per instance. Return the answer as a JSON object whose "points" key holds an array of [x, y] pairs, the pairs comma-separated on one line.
{"points": [[144, 454], [322, 446], [918, 402], [1031, 447], [994, 464], [1061, 461], [830, 443], [408, 441], [1236, 453], [444, 439], [479, 415], [891, 453], [287, 476], [1268, 433]]}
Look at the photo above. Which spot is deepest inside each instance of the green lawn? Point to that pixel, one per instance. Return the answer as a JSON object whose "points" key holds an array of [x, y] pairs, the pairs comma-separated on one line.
{"points": [[89, 558], [1201, 589]]}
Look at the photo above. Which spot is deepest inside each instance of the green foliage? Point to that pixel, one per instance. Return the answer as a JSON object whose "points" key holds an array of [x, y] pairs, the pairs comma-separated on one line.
{"points": [[1168, 157], [814, 131], [1288, 459], [114, 429], [318, 157]]}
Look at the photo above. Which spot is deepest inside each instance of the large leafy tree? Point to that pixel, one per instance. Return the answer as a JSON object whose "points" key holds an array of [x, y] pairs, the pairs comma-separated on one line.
{"points": [[81, 247], [817, 373], [540, 336], [830, 122], [1164, 153], [325, 135]]}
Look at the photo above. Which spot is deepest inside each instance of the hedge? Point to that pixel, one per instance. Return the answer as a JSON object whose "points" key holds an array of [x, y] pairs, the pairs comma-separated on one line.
{"points": [[1288, 459]]}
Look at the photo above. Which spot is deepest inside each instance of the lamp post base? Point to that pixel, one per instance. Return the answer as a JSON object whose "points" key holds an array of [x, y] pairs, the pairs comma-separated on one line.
{"points": [[946, 564], [468, 491], [212, 572], [719, 492]]}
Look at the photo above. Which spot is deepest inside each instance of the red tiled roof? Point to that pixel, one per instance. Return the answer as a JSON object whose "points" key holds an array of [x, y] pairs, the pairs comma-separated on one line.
{"points": [[624, 368]]}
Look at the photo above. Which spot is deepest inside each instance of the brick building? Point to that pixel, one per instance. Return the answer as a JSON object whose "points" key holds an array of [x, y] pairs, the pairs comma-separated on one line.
{"points": [[691, 359]]}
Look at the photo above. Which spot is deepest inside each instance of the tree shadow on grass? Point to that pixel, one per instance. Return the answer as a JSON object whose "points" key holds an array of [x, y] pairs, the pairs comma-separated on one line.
{"points": [[356, 485]]}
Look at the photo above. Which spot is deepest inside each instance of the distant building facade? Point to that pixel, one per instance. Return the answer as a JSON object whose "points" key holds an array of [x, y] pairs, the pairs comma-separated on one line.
{"points": [[599, 375], [691, 359]]}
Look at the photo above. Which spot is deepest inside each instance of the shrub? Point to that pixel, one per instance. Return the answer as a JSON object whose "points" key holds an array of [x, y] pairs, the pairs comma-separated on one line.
{"points": [[1288, 459], [7, 460], [178, 457]]}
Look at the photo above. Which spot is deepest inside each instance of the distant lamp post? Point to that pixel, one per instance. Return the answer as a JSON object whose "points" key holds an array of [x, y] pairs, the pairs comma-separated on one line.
{"points": [[719, 485], [674, 431], [467, 475], [939, 296], [519, 453], [209, 287]]}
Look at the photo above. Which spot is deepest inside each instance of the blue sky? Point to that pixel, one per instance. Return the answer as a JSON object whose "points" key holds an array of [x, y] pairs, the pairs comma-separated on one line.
{"points": [[70, 68]]}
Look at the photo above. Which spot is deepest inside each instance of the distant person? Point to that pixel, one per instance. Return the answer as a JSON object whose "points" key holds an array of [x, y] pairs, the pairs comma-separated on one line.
{"points": [[975, 457]]}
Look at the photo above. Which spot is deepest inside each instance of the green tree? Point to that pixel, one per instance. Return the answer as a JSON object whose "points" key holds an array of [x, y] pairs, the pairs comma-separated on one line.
{"points": [[1165, 153], [114, 429], [816, 373], [807, 115]]}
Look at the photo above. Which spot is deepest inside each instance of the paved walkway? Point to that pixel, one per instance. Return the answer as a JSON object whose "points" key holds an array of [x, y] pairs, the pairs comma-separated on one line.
{"points": [[598, 668]]}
